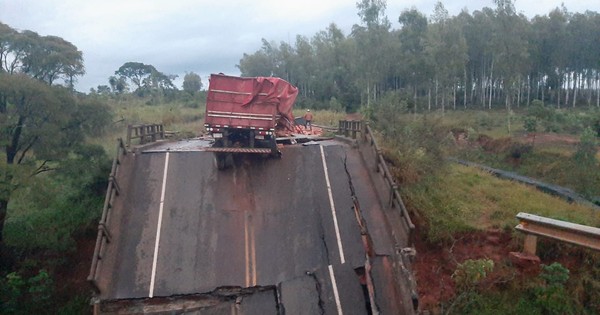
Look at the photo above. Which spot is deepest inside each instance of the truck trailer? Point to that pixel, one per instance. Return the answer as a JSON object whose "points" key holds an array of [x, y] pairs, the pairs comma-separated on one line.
{"points": [[244, 115]]}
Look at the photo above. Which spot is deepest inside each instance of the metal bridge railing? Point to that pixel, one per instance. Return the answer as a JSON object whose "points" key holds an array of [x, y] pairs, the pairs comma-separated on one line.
{"points": [[350, 127], [387, 189], [534, 226], [104, 235], [367, 140], [146, 133]]}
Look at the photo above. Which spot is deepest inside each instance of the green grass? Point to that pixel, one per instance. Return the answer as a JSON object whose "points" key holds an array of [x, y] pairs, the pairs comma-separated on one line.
{"points": [[177, 118], [551, 163], [467, 199], [491, 122], [323, 117]]}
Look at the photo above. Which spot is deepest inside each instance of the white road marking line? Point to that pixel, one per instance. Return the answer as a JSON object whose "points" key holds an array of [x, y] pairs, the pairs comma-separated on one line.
{"points": [[247, 252], [331, 204], [250, 251], [253, 253], [336, 294], [158, 227]]}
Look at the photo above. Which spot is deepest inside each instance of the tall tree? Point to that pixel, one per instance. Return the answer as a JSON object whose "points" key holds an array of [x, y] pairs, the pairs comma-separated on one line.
{"points": [[511, 48], [137, 72], [262, 63], [493, 57], [46, 58], [41, 124], [373, 40], [413, 37], [192, 83], [448, 50], [118, 84]]}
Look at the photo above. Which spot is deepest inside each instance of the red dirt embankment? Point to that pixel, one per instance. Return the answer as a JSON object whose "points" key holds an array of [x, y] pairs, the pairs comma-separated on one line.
{"points": [[434, 265]]}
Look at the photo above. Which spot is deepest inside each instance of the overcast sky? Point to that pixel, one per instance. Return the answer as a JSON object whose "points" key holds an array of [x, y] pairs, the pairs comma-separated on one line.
{"points": [[205, 36]]}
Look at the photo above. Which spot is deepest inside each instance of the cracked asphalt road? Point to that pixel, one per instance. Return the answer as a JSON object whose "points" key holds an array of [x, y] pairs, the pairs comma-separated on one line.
{"points": [[182, 227]]}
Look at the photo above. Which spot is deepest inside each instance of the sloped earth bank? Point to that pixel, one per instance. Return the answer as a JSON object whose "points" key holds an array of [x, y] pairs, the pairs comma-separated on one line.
{"points": [[71, 278], [435, 264]]}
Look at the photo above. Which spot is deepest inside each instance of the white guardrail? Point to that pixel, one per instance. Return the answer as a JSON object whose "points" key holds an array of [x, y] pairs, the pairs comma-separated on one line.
{"points": [[534, 226]]}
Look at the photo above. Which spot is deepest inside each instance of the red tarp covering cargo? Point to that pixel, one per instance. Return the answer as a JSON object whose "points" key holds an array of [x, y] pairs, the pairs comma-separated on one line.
{"points": [[257, 103]]}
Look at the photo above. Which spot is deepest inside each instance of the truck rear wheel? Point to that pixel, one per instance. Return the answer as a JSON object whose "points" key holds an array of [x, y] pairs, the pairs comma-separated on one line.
{"points": [[275, 153], [220, 161]]}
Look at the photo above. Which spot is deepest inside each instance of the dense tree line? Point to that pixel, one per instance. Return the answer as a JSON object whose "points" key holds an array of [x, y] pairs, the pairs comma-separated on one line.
{"points": [[493, 57], [43, 121], [51, 179], [145, 81]]}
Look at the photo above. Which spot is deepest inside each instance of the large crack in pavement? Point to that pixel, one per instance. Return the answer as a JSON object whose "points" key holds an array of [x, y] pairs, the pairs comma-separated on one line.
{"points": [[367, 241], [319, 291], [181, 303]]}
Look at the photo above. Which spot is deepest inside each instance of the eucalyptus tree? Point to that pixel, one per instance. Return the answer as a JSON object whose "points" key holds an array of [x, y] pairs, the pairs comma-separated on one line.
{"points": [[305, 61], [372, 42], [261, 63], [446, 45], [553, 36], [478, 33], [286, 56], [413, 37], [510, 44], [583, 35], [333, 60]]}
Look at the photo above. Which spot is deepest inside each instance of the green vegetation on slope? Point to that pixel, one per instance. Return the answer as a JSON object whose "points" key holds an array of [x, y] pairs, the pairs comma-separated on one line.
{"points": [[463, 199]]}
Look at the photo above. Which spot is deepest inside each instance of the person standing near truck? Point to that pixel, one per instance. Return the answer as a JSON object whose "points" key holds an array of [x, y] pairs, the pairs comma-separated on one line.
{"points": [[308, 117]]}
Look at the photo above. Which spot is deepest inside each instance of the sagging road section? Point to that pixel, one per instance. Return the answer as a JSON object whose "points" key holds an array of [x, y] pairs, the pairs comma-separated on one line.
{"points": [[265, 236]]}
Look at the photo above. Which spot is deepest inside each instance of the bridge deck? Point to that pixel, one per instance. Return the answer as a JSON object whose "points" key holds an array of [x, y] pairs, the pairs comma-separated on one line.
{"points": [[285, 227]]}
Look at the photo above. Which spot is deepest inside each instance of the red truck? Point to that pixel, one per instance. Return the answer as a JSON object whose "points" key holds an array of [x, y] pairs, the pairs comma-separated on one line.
{"points": [[244, 115]]}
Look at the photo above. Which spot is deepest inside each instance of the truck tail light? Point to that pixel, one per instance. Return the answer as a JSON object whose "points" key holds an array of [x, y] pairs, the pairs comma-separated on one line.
{"points": [[264, 133]]}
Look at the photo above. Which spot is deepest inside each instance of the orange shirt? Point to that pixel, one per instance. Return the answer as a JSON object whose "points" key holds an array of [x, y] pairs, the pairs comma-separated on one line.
{"points": [[308, 116]]}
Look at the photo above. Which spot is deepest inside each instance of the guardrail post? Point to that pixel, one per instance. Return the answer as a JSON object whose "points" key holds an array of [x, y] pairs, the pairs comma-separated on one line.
{"points": [[115, 184], [94, 285], [530, 244], [142, 134], [129, 130], [154, 132], [393, 189], [121, 148], [102, 227]]}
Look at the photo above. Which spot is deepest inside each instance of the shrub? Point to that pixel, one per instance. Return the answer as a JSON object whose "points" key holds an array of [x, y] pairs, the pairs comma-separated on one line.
{"points": [[471, 272], [335, 105], [26, 296], [484, 121], [551, 296]]}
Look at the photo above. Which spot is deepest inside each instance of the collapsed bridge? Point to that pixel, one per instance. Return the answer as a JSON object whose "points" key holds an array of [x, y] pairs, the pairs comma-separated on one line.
{"points": [[320, 231]]}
